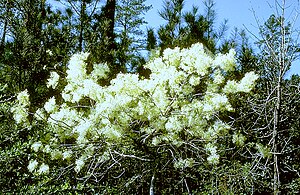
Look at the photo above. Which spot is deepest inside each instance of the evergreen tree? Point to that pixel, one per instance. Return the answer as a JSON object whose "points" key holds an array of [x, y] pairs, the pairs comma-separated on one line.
{"points": [[33, 42], [182, 29], [170, 34], [129, 35]]}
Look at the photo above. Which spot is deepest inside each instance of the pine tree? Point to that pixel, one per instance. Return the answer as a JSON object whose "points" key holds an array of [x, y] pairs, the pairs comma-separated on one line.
{"points": [[129, 33]]}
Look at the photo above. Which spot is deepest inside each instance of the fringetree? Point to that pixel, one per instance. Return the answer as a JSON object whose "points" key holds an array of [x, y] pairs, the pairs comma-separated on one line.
{"points": [[168, 128]]}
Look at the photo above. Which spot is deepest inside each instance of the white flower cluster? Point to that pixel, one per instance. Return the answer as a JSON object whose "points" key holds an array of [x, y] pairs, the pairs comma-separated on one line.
{"points": [[226, 62], [238, 139], [80, 84], [77, 68], [35, 146], [50, 105], [213, 157], [215, 130], [170, 104], [184, 163], [245, 85], [53, 80], [20, 110], [100, 71], [49, 52], [79, 164], [32, 166], [23, 98], [43, 169]]}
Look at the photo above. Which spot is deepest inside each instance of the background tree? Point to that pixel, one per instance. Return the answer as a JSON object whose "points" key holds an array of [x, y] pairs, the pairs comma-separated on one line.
{"points": [[129, 33], [279, 47], [79, 15], [172, 14], [185, 28], [103, 43], [271, 108], [34, 41]]}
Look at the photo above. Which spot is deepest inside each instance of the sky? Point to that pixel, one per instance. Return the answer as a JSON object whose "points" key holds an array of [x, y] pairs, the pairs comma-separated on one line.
{"points": [[240, 14]]}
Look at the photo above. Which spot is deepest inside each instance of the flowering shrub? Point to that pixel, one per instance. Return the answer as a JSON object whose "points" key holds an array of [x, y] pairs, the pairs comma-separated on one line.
{"points": [[181, 101]]}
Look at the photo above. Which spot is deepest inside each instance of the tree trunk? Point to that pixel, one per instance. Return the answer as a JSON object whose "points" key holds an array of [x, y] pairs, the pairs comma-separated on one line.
{"points": [[109, 35], [2, 44], [82, 25], [152, 185], [276, 178], [110, 15]]}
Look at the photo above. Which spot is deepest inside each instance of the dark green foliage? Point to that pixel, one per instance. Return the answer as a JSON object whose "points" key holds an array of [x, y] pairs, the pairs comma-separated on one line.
{"points": [[35, 42], [129, 35], [186, 28], [151, 39]]}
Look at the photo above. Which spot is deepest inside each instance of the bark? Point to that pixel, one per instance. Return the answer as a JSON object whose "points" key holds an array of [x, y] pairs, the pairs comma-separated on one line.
{"points": [[82, 25], [3, 35], [109, 35], [275, 132], [5, 25], [152, 185], [110, 15]]}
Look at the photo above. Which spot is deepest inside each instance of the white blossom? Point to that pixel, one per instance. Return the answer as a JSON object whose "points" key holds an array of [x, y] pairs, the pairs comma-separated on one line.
{"points": [[184, 163], [245, 85], [50, 105], [194, 80], [67, 154], [226, 62], [20, 114], [32, 165], [231, 87], [79, 164], [39, 114], [20, 109], [23, 98], [100, 71], [49, 52], [238, 139], [218, 77], [247, 82], [36, 145], [53, 80], [213, 157], [77, 68], [43, 169], [82, 128], [47, 149], [172, 56]]}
